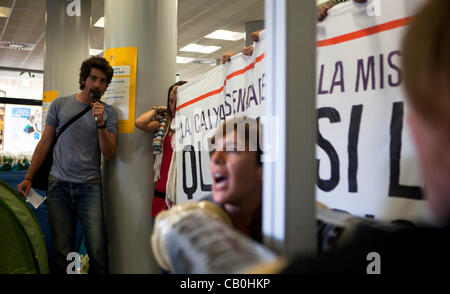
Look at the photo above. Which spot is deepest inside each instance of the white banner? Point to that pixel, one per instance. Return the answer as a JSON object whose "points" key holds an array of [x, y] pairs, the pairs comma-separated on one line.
{"points": [[365, 155], [366, 158], [230, 90]]}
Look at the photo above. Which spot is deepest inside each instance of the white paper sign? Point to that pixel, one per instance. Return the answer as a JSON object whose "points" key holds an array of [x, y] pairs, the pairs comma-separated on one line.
{"points": [[34, 198], [118, 95]]}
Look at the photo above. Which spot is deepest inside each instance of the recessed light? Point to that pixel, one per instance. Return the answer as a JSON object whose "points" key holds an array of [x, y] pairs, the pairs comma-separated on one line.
{"points": [[100, 23], [200, 48], [95, 52], [184, 59], [226, 35], [4, 11]]}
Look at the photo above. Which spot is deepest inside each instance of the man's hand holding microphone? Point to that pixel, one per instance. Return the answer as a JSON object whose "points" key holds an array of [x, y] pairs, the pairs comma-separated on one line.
{"points": [[97, 108]]}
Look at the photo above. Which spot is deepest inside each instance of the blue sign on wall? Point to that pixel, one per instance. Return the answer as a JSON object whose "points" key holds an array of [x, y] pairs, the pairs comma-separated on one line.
{"points": [[19, 112]]}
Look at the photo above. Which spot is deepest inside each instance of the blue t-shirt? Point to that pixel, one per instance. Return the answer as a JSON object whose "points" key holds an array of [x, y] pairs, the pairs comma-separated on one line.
{"points": [[76, 154]]}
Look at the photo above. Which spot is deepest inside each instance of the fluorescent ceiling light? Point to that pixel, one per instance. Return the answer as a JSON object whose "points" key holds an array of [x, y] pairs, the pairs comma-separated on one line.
{"points": [[100, 22], [184, 59], [226, 35], [4, 11], [95, 52], [200, 48]]}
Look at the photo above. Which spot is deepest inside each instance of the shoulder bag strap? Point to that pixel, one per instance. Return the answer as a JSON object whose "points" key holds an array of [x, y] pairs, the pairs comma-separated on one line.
{"points": [[74, 119]]}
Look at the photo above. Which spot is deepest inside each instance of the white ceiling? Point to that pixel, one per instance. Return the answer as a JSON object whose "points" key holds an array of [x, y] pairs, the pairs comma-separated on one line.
{"points": [[25, 24], [196, 18]]}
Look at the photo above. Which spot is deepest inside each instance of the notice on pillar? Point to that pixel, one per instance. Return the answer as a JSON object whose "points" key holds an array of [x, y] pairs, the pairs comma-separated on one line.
{"points": [[47, 99], [122, 90]]}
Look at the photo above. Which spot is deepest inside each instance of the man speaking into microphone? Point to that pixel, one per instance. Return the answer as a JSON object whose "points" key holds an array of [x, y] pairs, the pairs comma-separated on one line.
{"points": [[74, 189]]}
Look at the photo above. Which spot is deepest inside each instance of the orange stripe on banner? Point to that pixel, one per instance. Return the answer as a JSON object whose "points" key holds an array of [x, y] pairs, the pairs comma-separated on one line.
{"points": [[365, 32], [230, 76]]}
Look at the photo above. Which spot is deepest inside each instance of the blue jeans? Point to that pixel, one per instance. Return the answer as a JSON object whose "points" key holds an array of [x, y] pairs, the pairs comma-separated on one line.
{"points": [[65, 203]]}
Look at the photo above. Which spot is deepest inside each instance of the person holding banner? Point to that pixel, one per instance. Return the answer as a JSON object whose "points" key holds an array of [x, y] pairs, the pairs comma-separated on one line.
{"points": [[426, 66], [226, 57], [322, 10], [322, 13], [160, 122]]}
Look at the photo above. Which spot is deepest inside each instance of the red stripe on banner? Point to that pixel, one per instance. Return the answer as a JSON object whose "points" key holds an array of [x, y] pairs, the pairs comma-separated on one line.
{"points": [[365, 32], [230, 76]]}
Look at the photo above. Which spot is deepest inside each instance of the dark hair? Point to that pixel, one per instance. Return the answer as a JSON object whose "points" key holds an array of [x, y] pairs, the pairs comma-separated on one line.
{"points": [[179, 83], [99, 63]]}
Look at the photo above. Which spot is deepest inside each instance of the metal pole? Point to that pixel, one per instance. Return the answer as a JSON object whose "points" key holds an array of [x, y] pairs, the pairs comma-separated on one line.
{"points": [[289, 181]]}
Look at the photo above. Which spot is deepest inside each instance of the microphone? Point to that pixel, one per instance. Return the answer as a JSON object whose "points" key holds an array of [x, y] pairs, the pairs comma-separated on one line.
{"points": [[96, 98]]}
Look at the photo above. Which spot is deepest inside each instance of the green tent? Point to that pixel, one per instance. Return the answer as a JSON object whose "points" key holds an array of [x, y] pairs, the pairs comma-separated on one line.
{"points": [[22, 243]]}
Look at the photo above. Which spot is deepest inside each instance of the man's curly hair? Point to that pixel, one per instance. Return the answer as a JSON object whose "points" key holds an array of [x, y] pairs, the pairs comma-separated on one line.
{"points": [[99, 63]]}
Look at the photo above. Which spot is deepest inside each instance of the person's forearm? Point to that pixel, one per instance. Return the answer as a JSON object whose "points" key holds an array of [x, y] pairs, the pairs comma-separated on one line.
{"points": [[146, 121], [146, 117], [107, 143], [331, 2]]}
